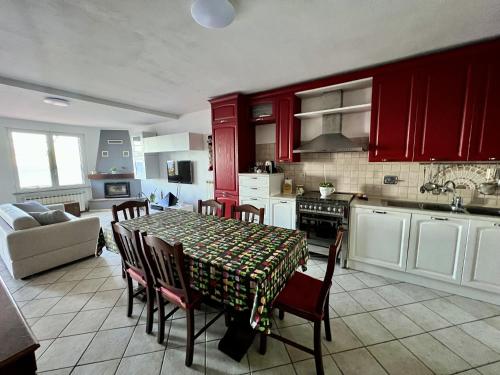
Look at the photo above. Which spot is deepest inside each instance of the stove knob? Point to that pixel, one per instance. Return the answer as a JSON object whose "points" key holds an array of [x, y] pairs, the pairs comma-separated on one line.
{"points": [[315, 208], [310, 207], [320, 208], [329, 209]]}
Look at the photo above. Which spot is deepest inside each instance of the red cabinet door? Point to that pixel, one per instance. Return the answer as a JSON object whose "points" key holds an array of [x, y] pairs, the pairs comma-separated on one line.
{"points": [[287, 128], [444, 114], [229, 200], [485, 134], [224, 111], [393, 113], [225, 159]]}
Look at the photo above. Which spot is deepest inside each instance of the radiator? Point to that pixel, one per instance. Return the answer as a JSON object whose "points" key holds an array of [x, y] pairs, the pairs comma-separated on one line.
{"points": [[53, 197]]}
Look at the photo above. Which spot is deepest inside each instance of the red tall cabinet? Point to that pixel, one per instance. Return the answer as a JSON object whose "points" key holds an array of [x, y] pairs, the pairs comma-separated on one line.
{"points": [[233, 142]]}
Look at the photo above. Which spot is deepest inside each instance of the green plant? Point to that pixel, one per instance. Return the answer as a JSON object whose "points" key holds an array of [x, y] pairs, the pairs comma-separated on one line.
{"points": [[326, 184], [114, 169]]}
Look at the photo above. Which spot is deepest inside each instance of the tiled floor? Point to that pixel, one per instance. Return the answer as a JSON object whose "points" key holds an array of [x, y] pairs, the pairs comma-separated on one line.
{"points": [[379, 326]]}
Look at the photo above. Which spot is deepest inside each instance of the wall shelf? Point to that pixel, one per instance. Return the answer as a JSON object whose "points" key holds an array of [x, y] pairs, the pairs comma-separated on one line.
{"points": [[352, 85], [350, 109]]}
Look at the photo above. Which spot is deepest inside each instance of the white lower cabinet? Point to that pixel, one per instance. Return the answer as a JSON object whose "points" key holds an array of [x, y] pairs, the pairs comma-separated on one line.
{"points": [[259, 203], [437, 247], [379, 237], [283, 213], [482, 258]]}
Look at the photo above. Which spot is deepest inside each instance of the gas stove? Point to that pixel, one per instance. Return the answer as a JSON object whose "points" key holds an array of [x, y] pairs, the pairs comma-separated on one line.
{"points": [[335, 205]]}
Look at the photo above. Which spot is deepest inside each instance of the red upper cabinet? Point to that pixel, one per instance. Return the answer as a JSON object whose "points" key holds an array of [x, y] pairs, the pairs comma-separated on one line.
{"points": [[262, 110], [444, 114], [287, 128], [394, 104], [224, 152], [224, 111], [485, 134]]}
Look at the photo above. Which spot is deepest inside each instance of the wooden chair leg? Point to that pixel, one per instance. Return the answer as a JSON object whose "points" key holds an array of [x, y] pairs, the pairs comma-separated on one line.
{"points": [[263, 343], [161, 317], [190, 337], [281, 314], [130, 298], [326, 319], [318, 358], [150, 302]]}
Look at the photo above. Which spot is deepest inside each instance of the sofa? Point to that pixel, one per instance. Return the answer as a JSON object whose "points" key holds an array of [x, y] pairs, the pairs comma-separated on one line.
{"points": [[27, 247]]}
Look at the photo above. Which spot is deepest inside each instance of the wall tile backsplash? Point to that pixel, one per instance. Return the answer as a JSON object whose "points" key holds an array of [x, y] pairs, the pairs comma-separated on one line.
{"points": [[351, 172]]}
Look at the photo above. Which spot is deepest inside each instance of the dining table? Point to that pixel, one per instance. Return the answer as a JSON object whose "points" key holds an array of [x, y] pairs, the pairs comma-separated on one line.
{"points": [[241, 265]]}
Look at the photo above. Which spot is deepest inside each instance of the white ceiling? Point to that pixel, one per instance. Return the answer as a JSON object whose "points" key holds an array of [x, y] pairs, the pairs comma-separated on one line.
{"points": [[152, 54]]}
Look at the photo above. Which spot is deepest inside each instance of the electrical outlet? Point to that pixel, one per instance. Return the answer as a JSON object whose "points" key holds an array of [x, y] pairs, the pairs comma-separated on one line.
{"points": [[391, 180]]}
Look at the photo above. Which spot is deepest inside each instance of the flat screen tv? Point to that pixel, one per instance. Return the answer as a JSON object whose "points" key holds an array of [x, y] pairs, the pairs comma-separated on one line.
{"points": [[180, 171]]}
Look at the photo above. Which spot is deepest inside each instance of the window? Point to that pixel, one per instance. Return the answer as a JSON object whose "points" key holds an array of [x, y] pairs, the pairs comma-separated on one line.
{"points": [[46, 160]]}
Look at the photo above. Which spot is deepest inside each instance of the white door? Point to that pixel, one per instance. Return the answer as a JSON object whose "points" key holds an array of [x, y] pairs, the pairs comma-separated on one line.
{"points": [[379, 237], [482, 258], [437, 247], [259, 203], [283, 213]]}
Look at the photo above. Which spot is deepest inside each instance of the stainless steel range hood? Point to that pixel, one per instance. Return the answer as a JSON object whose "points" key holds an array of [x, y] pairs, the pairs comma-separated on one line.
{"points": [[332, 139]]}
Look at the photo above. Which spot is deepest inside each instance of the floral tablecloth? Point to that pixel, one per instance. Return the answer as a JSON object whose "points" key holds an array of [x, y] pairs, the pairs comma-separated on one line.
{"points": [[239, 264]]}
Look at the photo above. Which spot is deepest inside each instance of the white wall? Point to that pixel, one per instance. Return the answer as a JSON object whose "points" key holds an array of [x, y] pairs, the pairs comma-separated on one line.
{"points": [[7, 168], [202, 187]]}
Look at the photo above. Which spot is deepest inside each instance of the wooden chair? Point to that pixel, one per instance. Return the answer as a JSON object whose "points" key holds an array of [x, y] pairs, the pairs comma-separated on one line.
{"points": [[212, 208], [247, 212], [135, 267], [308, 298], [129, 207], [168, 268]]}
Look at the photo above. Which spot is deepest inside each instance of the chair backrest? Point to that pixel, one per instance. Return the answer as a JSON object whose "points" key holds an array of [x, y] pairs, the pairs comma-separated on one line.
{"points": [[129, 207], [247, 212], [211, 207], [166, 263], [130, 248], [327, 281]]}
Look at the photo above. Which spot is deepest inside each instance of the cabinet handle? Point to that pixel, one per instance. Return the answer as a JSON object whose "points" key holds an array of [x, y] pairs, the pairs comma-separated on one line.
{"points": [[264, 116], [439, 218], [432, 159], [492, 158], [385, 159], [379, 212], [254, 188], [287, 202], [496, 224]]}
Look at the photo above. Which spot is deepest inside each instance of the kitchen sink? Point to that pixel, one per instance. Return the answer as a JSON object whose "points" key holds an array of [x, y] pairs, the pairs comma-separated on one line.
{"points": [[404, 204], [476, 210], [473, 210], [439, 207]]}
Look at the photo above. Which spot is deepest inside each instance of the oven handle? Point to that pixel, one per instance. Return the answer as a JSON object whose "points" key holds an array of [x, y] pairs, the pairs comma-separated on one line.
{"points": [[379, 212]]}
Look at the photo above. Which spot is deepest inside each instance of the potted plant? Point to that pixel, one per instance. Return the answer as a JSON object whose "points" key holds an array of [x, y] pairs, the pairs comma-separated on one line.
{"points": [[114, 170], [325, 189]]}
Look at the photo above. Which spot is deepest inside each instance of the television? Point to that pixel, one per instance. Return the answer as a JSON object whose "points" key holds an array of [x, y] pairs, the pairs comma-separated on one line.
{"points": [[180, 171]]}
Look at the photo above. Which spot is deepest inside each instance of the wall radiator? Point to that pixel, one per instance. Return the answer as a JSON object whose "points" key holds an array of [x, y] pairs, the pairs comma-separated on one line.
{"points": [[53, 197]]}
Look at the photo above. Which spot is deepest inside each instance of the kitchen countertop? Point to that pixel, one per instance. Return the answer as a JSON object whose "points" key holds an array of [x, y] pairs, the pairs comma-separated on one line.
{"points": [[378, 202], [284, 196]]}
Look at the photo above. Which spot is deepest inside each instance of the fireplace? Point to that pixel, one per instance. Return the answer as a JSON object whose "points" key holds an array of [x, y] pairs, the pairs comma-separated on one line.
{"points": [[117, 189]]}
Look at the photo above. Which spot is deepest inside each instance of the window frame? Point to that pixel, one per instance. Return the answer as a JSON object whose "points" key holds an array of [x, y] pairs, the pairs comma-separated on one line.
{"points": [[52, 160]]}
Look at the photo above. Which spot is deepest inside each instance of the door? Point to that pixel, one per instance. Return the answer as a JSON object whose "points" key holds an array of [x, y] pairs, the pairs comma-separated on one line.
{"points": [[437, 247], [259, 203], [379, 237], [224, 111], [444, 112], [482, 258], [287, 128], [485, 134], [393, 113], [224, 152], [283, 212], [229, 199]]}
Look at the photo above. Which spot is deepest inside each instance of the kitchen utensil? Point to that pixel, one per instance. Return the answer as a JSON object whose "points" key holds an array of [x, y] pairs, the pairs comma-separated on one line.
{"points": [[488, 188]]}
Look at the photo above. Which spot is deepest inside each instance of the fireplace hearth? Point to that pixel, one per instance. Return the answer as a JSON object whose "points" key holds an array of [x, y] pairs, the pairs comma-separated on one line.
{"points": [[117, 190]]}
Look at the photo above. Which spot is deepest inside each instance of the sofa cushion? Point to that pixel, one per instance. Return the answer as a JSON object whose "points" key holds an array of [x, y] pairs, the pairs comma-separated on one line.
{"points": [[50, 217], [17, 218], [31, 206]]}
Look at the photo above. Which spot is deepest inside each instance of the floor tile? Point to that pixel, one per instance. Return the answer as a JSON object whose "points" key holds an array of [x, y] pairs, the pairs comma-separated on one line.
{"points": [[38, 307], [494, 322], [342, 337], [101, 368], [344, 304], [44, 344], [177, 333], [478, 309], [393, 295], [367, 329], [417, 292], [369, 299], [485, 333], [435, 355], [217, 330], [86, 321], [75, 275], [308, 367], [276, 355], [103, 299], [71, 303], [449, 311], [357, 362], [289, 320], [64, 352], [87, 286], [280, 370], [142, 342], [424, 317], [349, 282], [144, 364], [107, 345], [99, 272], [47, 277], [371, 280], [113, 282], [219, 363], [336, 288], [28, 292], [173, 362], [468, 348], [396, 322], [58, 289], [492, 369], [118, 317], [302, 334], [62, 371], [469, 372], [49, 327], [396, 359]]}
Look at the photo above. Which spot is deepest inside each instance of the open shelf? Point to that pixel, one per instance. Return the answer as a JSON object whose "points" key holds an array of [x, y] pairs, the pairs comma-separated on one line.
{"points": [[352, 85], [350, 109]]}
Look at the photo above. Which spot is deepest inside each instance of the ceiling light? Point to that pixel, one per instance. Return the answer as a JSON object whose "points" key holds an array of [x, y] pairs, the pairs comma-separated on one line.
{"points": [[60, 102], [213, 14]]}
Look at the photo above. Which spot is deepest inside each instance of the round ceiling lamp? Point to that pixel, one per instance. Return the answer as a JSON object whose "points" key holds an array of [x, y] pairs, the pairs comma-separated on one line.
{"points": [[59, 102], [212, 14]]}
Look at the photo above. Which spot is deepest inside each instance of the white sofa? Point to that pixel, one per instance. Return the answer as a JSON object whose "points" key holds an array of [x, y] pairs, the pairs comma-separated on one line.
{"points": [[27, 248]]}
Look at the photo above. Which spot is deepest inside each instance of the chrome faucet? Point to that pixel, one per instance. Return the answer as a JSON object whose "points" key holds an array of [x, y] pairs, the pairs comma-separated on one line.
{"points": [[447, 189], [457, 203]]}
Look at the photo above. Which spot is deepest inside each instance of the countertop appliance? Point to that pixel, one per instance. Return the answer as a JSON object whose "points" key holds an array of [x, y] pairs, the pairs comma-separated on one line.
{"points": [[320, 217]]}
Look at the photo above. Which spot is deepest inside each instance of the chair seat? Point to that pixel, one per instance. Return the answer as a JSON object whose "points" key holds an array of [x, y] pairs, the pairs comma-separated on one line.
{"points": [[178, 299], [140, 278], [300, 296]]}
